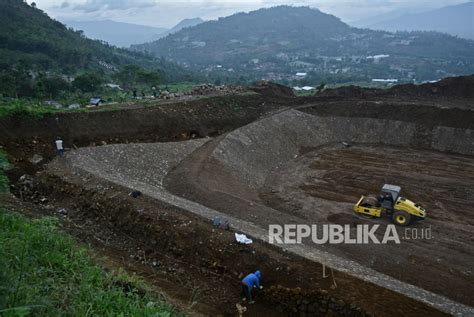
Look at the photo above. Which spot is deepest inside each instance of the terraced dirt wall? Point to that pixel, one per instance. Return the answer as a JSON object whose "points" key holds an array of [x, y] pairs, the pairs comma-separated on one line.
{"points": [[252, 152]]}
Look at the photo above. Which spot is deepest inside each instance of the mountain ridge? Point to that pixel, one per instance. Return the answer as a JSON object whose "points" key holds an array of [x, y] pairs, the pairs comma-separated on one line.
{"points": [[455, 20], [123, 34], [266, 43], [186, 23], [117, 33]]}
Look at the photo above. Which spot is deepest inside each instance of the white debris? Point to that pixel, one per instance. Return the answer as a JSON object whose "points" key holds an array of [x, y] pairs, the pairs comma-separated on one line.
{"points": [[74, 106], [242, 238], [306, 88], [380, 80]]}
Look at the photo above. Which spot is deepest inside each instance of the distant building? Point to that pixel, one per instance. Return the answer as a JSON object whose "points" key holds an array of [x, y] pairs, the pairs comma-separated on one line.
{"points": [[378, 80], [95, 101], [301, 74], [305, 88], [378, 56]]}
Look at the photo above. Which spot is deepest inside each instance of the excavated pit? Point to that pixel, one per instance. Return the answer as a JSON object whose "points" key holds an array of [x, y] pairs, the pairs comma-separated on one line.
{"points": [[307, 166], [301, 167], [300, 164]]}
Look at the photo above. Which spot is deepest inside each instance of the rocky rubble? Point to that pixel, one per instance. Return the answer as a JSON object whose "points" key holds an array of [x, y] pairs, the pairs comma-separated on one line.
{"points": [[26, 189], [204, 90], [207, 89], [312, 303]]}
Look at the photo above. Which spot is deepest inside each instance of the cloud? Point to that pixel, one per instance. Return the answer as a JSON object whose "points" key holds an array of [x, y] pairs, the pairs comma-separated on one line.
{"points": [[106, 5], [166, 13]]}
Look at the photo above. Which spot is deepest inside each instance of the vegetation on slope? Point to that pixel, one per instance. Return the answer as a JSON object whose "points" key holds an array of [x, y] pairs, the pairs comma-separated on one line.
{"points": [[40, 57], [42, 273], [29, 38]]}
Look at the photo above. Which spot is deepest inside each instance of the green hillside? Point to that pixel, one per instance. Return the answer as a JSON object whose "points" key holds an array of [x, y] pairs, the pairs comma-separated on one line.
{"points": [[30, 39], [32, 46], [277, 43]]}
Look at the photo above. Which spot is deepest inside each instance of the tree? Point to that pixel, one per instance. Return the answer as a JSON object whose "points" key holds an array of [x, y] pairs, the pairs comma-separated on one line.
{"points": [[128, 75], [321, 87], [149, 78], [131, 75], [88, 82], [51, 87], [15, 83], [8, 87]]}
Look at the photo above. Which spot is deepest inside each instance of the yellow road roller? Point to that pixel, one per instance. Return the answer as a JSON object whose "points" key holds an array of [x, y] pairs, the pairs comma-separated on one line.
{"points": [[389, 202]]}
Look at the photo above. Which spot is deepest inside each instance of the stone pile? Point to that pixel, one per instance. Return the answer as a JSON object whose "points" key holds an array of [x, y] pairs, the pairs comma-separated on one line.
{"points": [[204, 90], [208, 89]]}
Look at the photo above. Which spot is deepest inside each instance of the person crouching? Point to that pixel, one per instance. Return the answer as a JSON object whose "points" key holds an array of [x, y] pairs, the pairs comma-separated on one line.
{"points": [[248, 283]]}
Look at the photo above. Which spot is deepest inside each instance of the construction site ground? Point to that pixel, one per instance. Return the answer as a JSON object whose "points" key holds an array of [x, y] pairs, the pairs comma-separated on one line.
{"points": [[192, 158]]}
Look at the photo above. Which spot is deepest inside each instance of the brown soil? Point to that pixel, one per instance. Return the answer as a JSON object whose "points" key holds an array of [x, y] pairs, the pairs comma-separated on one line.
{"points": [[196, 266], [196, 263], [449, 88], [270, 89], [23, 137], [336, 177], [419, 112], [321, 187]]}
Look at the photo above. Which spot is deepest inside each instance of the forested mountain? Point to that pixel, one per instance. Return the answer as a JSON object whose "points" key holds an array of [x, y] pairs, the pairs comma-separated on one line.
{"points": [[31, 40], [117, 33], [41, 57], [186, 23], [456, 20], [181, 25], [127, 34], [277, 43]]}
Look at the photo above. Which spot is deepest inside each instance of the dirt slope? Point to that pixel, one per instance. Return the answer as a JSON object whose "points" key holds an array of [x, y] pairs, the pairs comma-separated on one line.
{"points": [[267, 172]]}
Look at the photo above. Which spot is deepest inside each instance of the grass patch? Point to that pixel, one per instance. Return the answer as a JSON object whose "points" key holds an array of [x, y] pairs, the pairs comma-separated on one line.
{"points": [[24, 109], [174, 88], [4, 185], [42, 273], [304, 93]]}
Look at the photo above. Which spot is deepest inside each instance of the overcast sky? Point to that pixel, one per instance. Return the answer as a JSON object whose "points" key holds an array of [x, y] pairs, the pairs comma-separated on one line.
{"points": [[166, 13]]}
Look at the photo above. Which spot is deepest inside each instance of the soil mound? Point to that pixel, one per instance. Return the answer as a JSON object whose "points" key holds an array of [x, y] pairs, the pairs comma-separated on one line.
{"points": [[452, 87], [271, 89], [458, 87], [349, 92]]}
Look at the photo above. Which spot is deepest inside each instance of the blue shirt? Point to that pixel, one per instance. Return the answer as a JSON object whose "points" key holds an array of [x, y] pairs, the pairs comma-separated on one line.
{"points": [[253, 279]]}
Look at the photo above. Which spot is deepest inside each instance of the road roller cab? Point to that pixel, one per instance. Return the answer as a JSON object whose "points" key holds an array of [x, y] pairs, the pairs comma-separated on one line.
{"points": [[389, 202]]}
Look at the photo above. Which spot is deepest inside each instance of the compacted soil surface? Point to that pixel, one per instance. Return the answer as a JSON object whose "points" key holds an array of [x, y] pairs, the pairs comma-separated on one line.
{"points": [[323, 185]]}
